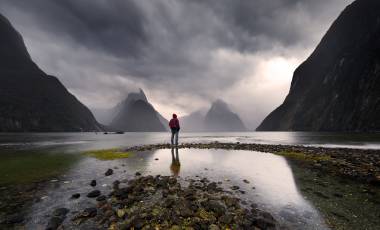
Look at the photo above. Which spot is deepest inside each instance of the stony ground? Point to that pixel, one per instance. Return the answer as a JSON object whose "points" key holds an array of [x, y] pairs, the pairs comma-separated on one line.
{"points": [[161, 202], [14, 201], [358, 164]]}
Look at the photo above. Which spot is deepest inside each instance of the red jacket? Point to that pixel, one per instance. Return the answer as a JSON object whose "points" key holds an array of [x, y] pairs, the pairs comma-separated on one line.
{"points": [[174, 123]]}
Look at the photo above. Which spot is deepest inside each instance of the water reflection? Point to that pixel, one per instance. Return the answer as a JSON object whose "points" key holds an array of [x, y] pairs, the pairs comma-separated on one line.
{"points": [[175, 166], [269, 181]]}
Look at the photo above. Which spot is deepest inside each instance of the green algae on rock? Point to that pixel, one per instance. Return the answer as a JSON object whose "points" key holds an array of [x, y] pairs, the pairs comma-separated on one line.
{"points": [[304, 156], [108, 154]]}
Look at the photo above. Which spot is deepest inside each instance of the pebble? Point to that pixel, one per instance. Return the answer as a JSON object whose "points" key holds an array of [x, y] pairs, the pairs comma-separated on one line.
{"points": [[93, 183], [93, 194], [101, 198], [235, 187], [109, 172], [75, 196]]}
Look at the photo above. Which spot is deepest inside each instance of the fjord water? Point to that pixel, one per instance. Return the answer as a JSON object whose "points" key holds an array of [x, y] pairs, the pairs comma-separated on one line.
{"points": [[80, 141], [55, 158]]}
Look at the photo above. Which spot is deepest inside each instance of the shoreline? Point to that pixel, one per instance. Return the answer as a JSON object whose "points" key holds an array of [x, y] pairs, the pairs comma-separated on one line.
{"points": [[362, 165], [316, 167]]}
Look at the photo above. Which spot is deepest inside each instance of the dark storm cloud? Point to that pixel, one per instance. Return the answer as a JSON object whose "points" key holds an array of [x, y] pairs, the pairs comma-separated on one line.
{"points": [[191, 50], [115, 26], [251, 19]]}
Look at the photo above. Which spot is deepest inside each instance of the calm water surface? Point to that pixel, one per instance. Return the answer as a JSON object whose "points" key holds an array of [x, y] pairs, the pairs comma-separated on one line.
{"points": [[271, 183], [56, 158], [92, 140]]}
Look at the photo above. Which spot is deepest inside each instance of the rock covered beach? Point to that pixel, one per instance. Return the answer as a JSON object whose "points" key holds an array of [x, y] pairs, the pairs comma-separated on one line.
{"points": [[165, 202], [119, 205]]}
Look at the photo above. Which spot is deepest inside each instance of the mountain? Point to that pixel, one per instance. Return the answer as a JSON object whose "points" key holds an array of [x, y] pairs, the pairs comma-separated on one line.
{"points": [[105, 116], [221, 119], [31, 100], [338, 87], [218, 118], [136, 114], [193, 122]]}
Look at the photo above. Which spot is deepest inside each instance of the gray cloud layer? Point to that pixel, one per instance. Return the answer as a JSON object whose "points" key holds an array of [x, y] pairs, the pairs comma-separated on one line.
{"points": [[183, 53]]}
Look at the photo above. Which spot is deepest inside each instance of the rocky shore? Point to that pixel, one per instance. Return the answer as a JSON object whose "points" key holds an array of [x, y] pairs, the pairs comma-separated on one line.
{"points": [[358, 164], [165, 202], [15, 200]]}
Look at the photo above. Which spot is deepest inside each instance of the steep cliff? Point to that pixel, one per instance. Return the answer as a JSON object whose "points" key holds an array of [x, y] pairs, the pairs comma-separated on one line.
{"points": [[31, 100], [338, 87]]}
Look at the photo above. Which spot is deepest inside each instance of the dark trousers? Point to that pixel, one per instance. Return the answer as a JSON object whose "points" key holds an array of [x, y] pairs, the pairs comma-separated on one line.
{"points": [[174, 139]]}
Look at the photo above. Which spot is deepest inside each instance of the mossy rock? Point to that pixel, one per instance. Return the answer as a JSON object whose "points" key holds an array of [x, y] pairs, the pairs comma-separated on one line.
{"points": [[108, 154], [304, 156]]}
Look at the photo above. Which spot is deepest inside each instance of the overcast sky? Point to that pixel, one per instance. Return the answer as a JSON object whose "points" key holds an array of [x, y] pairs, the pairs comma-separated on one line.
{"points": [[183, 53]]}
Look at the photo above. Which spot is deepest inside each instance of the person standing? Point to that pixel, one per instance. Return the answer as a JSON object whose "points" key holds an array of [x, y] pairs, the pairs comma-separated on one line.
{"points": [[174, 127]]}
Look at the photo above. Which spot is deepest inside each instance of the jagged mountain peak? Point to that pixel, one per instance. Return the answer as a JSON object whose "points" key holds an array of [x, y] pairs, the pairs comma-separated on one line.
{"points": [[220, 105], [119, 117], [220, 118], [134, 96], [138, 116]]}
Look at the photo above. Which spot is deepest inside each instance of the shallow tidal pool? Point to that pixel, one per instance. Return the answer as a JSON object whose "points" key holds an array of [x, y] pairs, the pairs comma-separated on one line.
{"points": [[297, 197], [263, 178]]}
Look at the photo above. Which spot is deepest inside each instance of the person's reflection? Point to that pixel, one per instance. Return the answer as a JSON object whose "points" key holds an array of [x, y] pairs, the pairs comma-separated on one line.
{"points": [[176, 165]]}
